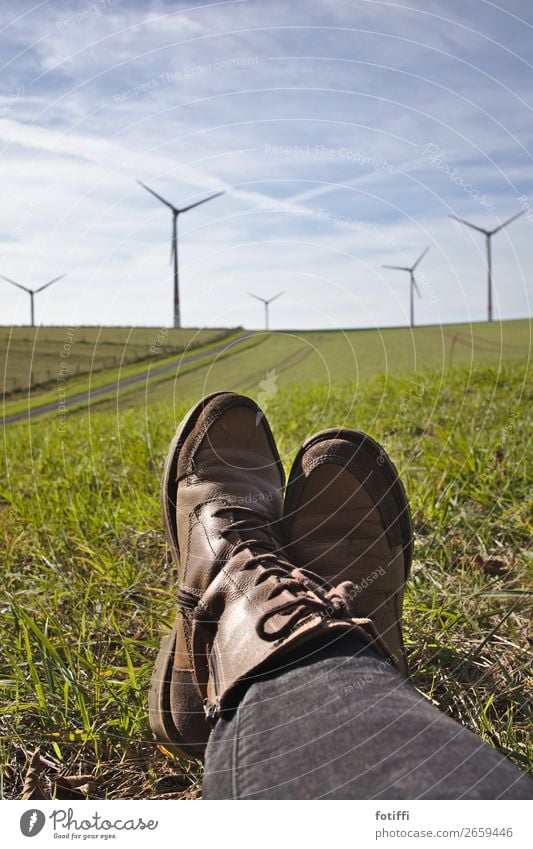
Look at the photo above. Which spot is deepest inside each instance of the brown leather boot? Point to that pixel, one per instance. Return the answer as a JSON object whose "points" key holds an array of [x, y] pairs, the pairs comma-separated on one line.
{"points": [[241, 605], [346, 517]]}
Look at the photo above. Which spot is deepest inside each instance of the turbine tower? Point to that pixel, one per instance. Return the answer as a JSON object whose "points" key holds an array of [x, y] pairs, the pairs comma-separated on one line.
{"points": [[413, 283], [32, 292], [174, 243], [488, 236], [266, 302]]}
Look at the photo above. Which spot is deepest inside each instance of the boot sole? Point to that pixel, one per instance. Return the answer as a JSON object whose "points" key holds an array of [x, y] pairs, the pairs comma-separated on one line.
{"points": [[395, 487], [159, 713]]}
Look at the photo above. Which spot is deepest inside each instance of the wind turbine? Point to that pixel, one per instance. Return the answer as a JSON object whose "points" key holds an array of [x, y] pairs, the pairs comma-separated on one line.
{"points": [[413, 283], [174, 244], [488, 236], [32, 292], [266, 302]]}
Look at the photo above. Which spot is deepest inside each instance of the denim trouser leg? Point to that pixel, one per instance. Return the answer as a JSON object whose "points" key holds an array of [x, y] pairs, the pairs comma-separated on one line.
{"points": [[343, 724]]}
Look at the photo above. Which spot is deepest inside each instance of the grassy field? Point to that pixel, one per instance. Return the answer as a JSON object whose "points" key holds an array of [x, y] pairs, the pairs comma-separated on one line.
{"points": [[287, 358], [89, 588], [34, 356], [100, 387], [303, 358]]}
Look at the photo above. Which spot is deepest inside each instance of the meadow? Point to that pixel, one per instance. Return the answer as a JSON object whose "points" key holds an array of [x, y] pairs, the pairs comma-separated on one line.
{"points": [[299, 358], [32, 357], [89, 587], [283, 358]]}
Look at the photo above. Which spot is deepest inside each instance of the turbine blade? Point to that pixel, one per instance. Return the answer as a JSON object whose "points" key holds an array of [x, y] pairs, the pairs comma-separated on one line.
{"points": [[417, 290], [46, 285], [421, 257], [166, 202], [468, 224], [397, 267], [18, 285], [257, 298], [273, 298], [199, 202], [509, 220]]}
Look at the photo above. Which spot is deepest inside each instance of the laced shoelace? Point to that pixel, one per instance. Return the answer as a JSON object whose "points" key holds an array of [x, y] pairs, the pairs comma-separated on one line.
{"points": [[311, 593]]}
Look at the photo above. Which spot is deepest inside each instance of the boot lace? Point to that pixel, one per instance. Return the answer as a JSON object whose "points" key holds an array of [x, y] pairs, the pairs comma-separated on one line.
{"points": [[311, 593]]}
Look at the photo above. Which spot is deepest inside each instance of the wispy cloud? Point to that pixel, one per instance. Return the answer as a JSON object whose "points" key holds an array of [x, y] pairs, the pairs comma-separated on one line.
{"points": [[315, 118]]}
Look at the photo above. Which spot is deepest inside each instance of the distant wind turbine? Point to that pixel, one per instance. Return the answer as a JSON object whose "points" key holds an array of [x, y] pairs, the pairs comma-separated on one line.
{"points": [[488, 236], [32, 292], [174, 243], [266, 302], [413, 283]]}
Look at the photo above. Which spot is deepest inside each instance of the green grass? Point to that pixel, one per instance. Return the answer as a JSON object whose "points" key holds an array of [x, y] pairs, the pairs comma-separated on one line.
{"points": [[89, 588], [70, 387], [302, 358], [34, 356], [289, 357]]}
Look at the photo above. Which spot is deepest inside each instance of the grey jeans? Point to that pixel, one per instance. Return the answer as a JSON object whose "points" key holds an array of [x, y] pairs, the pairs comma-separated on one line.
{"points": [[340, 723]]}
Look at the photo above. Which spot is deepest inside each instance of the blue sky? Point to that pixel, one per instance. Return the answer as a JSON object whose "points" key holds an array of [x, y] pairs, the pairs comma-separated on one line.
{"points": [[343, 132]]}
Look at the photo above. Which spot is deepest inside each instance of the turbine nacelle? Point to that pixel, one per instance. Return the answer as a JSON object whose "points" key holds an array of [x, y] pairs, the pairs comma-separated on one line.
{"points": [[488, 236], [31, 292], [413, 284], [266, 302], [176, 211], [487, 233]]}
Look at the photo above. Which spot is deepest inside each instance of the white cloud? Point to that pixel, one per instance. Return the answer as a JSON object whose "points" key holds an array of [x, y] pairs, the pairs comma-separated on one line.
{"points": [[221, 96]]}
